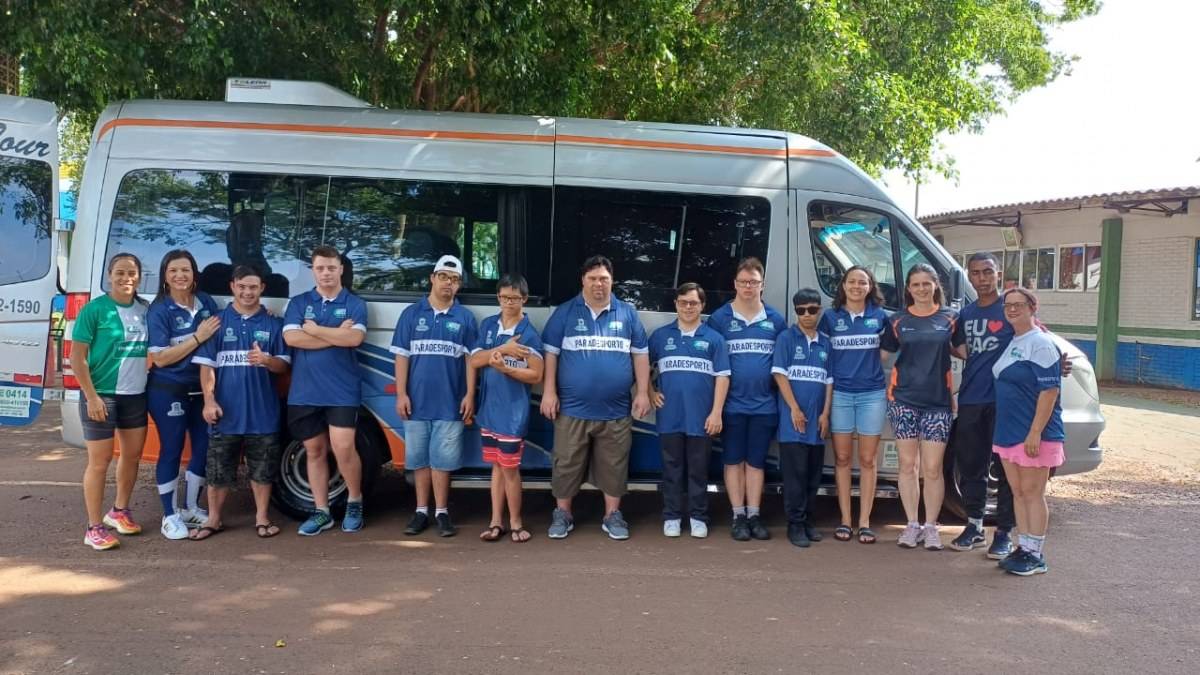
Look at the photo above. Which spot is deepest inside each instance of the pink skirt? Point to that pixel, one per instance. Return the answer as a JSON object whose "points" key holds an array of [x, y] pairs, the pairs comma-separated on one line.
{"points": [[1050, 454]]}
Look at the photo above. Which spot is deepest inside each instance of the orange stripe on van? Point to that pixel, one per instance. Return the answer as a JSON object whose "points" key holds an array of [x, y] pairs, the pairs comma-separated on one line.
{"points": [[426, 134]]}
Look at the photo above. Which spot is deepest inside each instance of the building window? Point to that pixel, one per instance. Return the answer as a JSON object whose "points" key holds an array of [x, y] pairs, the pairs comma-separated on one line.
{"points": [[1079, 267], [1012, 270], [1196, 291], [1093, 267]]}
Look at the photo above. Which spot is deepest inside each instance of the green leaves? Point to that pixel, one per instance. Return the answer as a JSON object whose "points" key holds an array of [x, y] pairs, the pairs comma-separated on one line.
{"points": [[879, 80]]}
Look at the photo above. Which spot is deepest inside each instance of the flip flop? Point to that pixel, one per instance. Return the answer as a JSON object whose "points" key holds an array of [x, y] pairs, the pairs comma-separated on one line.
{"points": [[205, 532], [266, 530], [866, 535], [521, 535], [843, 533], [492, 533]]}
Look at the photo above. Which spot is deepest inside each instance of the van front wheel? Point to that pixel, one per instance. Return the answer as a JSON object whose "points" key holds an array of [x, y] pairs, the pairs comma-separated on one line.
{"points": [[292, 494]]}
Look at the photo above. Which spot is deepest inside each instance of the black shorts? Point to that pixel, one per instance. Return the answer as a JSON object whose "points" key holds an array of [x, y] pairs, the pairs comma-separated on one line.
{"points": [[125, 411], [310, 421], [262, 453]]}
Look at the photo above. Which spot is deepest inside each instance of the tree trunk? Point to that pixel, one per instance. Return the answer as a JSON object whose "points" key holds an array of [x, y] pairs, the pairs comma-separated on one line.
{"points": [[10, 75]]}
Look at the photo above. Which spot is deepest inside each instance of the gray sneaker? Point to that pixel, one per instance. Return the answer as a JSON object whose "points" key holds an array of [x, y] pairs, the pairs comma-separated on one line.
{"points": [[911, 536], [615, 526], [933, 538], [561, 524]]}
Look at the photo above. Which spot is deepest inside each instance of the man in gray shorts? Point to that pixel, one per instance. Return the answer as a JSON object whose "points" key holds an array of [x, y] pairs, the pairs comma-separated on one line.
{"points": [[240, 401], [596, 349]]}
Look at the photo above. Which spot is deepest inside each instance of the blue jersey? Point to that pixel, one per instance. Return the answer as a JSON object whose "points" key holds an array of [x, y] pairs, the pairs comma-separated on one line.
{"points": [[986, 334], [688, 367], [436, 345], [249, 404], [805, 363], [1029, 366], [329, 376], [751, 342], [503, 401], [595, 364], [855, 342], [169, 324]]}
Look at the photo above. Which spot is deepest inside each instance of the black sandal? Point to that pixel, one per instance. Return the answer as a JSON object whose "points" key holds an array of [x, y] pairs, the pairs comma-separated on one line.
{"points": [[205, 533], [521, 535], [492, 533], [866, 536], [843, 533], [264, 531]]}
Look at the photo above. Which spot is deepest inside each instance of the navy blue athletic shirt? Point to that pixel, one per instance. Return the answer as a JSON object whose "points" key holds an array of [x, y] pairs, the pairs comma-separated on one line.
{"points": [[986, 333]]}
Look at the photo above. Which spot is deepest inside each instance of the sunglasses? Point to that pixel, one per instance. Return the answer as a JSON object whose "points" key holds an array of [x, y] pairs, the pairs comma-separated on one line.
{"points": [[811, 310]]}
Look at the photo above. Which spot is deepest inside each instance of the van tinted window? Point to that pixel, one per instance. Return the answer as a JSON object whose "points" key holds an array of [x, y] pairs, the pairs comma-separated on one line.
{"points": [[844, 236], [25, 189], [390, 232], [657, 241]]}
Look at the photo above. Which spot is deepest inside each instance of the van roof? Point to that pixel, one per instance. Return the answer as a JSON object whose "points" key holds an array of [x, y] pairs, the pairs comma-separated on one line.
{"points": [[812, 165]]}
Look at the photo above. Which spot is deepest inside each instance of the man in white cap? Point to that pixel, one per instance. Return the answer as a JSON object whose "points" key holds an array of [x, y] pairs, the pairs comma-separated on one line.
{"points": [[431, 343]]}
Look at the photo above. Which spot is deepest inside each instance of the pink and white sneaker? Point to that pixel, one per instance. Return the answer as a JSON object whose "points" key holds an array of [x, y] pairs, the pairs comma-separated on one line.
{"points": [[122, 521], [99, 538]]}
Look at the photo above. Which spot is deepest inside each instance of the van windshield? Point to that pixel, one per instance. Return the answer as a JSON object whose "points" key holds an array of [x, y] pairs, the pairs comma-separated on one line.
{"points": [[25, 216]]}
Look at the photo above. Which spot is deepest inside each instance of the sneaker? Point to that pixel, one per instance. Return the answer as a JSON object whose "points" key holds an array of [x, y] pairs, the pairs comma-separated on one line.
{"points": [[814, 535], [1002, 545], [1028, 565], [316, 524], [699, 528], [1011, 558], [121, 520], [757, 529], [561, 524], [615, 526], [672, 528], [445, 527], [353, 520], [99, 538], [741, 528], [173, 527], [417, 524], [797, 535], [933, 538], [193, 518], [970, 538], [911, 536]]}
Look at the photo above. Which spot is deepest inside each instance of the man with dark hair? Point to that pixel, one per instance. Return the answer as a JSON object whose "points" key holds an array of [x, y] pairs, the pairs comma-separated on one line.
{"points": [[240, 401], [801, 370], [432, 339], [693, 379], [595, 351], [508, 355], [323, 327]]}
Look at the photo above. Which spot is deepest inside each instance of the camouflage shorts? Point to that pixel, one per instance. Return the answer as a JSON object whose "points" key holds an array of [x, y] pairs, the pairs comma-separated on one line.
{"points": [[262, 453]]}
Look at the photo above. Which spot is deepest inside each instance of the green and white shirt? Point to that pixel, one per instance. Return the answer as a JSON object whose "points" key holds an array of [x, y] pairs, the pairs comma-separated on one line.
{"points": [[117, 337]]}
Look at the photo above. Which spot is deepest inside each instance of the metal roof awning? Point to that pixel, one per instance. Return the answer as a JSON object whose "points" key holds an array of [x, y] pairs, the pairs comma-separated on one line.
{"points": [[1165, 202]]}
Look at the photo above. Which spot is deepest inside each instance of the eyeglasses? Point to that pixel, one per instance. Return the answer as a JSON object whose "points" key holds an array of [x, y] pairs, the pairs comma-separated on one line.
{"points": [[811, 310], [748, 283], [688, 304], [1009, 306], [453, 279], [511, 299]]}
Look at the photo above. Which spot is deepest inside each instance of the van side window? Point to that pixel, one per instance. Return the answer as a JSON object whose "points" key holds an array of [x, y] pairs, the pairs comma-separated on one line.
{"points": [[25, 218], [656, 241], [390, 232], [844, 236]]}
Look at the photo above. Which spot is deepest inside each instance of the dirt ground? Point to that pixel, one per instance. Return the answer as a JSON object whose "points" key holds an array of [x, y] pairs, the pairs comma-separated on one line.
{"points": [[1121, 595]]}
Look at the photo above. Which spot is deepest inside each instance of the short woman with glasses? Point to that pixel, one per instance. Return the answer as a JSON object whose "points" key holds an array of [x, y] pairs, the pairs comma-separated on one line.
{"points": [[854, 325], [750, 416], [1029, 432], [108, 354], [920, 403], [179, 320]]}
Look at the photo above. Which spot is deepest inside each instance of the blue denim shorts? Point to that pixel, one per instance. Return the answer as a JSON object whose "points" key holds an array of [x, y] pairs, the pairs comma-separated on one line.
{"points": [[435, 444], [862, 412]]}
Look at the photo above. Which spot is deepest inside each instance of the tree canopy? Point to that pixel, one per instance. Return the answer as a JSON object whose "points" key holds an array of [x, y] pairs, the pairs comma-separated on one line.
{"points": [[878, 80]]}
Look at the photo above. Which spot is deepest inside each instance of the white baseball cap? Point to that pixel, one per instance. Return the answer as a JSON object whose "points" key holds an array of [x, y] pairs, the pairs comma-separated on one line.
{"points": [[448, 263]]}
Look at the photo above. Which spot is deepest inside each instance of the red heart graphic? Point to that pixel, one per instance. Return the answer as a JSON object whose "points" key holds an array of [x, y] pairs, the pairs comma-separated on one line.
{"points": [[995, 326]]}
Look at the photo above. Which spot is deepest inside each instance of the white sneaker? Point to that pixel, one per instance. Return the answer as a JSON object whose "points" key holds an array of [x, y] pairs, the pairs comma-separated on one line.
{"points": [[193, 518], [699, 528], [671, 528], [173, 527]]}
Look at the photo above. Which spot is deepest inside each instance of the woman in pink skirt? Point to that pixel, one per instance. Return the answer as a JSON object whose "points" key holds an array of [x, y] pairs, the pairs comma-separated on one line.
{"points": [[1029, 431]]}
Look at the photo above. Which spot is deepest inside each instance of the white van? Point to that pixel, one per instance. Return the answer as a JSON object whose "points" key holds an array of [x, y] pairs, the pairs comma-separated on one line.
{"points": [[263, 183], [28, 246]]}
